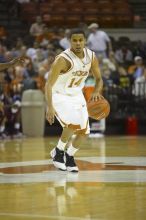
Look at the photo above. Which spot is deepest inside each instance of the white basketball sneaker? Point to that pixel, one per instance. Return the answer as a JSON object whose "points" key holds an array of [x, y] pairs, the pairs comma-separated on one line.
{"points": [[70, 163], [58, 158]]}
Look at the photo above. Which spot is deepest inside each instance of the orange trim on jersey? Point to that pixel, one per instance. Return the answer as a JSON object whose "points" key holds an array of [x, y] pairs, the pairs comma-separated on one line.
{"points": [[83, 131], [74, 126], [87, 54], [72, 63]]}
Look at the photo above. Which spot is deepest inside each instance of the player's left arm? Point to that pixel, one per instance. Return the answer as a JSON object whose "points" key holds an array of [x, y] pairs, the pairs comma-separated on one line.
{"points": [[98, 79]]}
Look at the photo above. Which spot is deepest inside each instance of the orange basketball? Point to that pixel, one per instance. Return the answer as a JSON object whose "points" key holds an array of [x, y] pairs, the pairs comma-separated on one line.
{"points": [[98, 109]]}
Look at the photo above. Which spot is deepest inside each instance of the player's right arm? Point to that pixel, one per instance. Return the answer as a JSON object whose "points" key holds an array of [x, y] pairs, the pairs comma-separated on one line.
{"points": [[60, 65]]}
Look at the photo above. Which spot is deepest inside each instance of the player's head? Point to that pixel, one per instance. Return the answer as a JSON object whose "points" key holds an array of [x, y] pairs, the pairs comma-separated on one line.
{"points": [[77, 39], [93, 27], [39, 19]]}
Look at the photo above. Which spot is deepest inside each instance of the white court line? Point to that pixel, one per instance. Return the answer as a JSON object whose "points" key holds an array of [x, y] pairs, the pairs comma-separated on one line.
{"points": [[104, 176], [135, 161], [43, 216], [25, 163], [83, 176]]}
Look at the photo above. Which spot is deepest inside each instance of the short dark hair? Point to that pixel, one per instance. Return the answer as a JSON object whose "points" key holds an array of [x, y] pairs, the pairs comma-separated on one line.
{"points": [[76, 31]]}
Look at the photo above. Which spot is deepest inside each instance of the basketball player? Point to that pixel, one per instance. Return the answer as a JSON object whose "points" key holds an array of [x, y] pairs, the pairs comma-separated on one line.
{"points": [[13, 62], [65, 99]]}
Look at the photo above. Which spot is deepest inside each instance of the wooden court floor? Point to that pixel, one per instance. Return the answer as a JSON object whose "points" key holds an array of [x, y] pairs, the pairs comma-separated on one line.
{"points": [[111, 184]]}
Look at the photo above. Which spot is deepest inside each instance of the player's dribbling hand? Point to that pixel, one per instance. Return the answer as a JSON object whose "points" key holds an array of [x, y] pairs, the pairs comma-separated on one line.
{"points": [[50, 115], [96, 96]]}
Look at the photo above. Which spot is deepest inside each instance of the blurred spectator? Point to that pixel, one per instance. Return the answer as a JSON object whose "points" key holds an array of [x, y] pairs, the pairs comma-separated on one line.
{"points": [[110, 62], [8, 76], [29, 71], [12, 112], [46, 64], [28, 76], [139, 50], [9, 115], [58, 35], [19, 43], [107, 77], [3, 33], [38, 59], [36, 28], [23, 53], [125, 80], [44, 71], [8, 56], [32, 50], [140, 85], [98, 40], [85, 28], [3, 49], [28, 83], [109, 71], [16, 81], [45, 38], [12, 63], [65, 41], [46, 19], [17, 47], [123, 55], [58, 51], [137, 69]]}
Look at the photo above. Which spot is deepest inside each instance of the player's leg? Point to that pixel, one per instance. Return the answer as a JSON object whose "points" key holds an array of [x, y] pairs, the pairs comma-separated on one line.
{"points": [[58, 152], [72, 147], [72, 114], [78, 140]]}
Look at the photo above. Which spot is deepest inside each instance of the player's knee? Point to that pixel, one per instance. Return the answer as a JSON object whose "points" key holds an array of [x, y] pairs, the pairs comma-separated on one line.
{"points": [[83, 135], [82, 132], [69, 130]]}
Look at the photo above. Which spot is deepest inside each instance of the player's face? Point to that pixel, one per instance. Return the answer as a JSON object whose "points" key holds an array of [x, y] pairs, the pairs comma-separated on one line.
{"points": [[77, 42]]}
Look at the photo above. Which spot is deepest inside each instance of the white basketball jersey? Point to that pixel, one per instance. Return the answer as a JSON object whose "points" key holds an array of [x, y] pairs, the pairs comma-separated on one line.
{"points": [[72, 82]]}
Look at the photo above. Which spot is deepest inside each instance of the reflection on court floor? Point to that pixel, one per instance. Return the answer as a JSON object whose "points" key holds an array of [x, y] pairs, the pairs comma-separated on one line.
{"points": [[92, 169], [111, 183]]}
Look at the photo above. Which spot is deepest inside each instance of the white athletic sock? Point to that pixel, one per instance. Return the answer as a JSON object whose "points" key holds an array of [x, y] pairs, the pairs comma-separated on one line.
{"points": [[71, 150], [61, 145]]}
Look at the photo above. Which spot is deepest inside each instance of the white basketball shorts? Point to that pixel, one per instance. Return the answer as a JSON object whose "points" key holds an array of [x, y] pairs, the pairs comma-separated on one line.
{"points": [[71, 111]]}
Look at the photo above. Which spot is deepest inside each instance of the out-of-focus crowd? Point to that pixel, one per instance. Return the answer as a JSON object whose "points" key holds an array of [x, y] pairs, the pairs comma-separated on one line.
{"points": [[122, 64]]}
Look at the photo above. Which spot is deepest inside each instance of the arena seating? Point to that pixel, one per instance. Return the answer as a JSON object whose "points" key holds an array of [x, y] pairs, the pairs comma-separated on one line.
{"points": [[107, 12]]}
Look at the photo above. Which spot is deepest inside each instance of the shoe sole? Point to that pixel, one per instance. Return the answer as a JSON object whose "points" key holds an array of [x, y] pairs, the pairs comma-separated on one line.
{"points": [[75, 170]]}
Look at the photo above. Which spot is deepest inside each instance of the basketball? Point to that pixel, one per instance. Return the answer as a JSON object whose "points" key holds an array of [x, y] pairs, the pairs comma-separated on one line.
{"points": [[98, 109]]}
